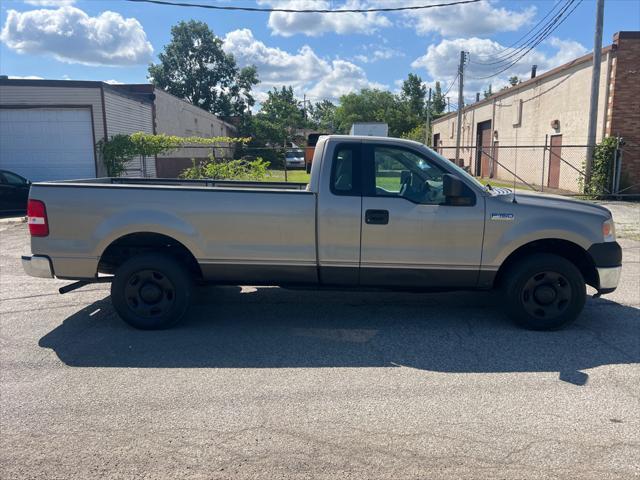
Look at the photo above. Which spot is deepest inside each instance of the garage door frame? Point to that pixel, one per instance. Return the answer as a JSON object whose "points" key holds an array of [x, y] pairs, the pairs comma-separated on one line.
{"points": [[64, 106]]}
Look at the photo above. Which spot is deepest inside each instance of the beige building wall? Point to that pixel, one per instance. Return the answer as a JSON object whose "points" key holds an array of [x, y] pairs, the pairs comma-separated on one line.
{"points": [[522, 116]]}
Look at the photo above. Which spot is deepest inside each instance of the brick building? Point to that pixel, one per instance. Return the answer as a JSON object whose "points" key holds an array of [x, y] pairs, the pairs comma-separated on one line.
{"points": [[507, 132]]}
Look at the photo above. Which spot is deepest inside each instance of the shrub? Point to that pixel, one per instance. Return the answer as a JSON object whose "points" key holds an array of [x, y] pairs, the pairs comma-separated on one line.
{"points": [[602, 167], [227, 170], [116, 152], [119, 150]]}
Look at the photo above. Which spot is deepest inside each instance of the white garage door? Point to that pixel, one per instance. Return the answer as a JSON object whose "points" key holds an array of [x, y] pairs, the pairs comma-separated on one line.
{"points": [[47, 143]]}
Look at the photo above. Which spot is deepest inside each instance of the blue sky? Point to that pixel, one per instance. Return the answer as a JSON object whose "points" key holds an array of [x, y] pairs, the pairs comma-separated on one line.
{"points": [[321, 56]]}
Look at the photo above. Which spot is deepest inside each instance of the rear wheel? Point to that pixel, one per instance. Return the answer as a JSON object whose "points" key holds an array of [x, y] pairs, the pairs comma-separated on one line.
{"points": [[151, 291], [544, 292]]}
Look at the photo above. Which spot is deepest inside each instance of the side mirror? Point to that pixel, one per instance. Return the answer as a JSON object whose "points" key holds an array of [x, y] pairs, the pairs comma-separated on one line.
{"points": [[452, 186], [455, 191]]}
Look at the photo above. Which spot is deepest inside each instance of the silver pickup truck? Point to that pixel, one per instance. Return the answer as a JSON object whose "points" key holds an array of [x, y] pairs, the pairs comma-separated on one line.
{"points": [[378, 213]]}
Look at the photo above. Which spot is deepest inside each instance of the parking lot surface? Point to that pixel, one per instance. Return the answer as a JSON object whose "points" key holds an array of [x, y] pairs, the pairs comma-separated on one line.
{"points": [[273, 383]]}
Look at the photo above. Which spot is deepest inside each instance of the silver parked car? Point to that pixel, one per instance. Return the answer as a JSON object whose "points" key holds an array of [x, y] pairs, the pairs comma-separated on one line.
{"points": [[378, 213], [295, 158]]}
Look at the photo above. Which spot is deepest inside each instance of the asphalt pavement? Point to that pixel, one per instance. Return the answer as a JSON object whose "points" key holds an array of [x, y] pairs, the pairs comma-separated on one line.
{"points": [[270, 383]]}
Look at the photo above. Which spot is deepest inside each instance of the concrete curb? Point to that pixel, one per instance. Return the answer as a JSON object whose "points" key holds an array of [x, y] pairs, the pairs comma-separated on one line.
{"points": [[12, 220]]}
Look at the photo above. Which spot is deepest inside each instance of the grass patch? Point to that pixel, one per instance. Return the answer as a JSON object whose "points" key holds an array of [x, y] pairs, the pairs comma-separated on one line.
{"points": [[294, 176], [502, 183]]}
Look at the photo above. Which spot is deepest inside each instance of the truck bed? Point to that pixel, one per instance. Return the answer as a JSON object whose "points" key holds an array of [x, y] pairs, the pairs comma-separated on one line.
{"points": [[176, 182]]}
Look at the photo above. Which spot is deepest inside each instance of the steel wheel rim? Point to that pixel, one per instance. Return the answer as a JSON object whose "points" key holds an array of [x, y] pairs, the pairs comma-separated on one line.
{"points": [[149, 293], [546, 295]]}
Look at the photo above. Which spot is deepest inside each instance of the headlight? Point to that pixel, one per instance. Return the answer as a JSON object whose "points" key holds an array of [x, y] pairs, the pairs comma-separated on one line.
{"points": [[609, 230]]}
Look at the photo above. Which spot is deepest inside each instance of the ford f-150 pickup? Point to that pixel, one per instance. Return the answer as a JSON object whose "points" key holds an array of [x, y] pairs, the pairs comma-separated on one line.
{"points": [[378, 213]]}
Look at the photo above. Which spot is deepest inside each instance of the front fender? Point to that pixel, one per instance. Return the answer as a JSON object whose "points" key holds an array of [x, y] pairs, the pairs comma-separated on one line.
{"points": [[501, 241]]}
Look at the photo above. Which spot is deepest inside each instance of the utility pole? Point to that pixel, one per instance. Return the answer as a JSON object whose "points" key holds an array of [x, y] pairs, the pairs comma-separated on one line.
{"points": [[304, 106], [595, 89], [427, 134], [463, 56]]}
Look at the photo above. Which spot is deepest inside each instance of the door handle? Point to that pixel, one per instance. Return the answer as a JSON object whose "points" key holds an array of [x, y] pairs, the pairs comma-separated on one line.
{"points": [[376, 217]]}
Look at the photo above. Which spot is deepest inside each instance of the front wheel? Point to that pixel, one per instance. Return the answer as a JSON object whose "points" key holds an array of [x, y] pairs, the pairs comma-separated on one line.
{"points": [[544, 292], [151, 291]]}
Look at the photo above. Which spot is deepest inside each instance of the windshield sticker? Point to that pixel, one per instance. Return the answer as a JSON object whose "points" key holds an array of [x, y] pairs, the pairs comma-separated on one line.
{"points": [[505, 217]]}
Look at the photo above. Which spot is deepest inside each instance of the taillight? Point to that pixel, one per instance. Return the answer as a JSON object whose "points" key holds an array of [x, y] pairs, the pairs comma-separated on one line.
{"points": [[38, 223]]}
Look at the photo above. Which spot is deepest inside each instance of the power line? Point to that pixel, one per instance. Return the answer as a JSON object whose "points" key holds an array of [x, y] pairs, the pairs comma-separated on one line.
{"points": [[515, 44], [451, 85], [538, 41], [292, 10], [505, 58]]}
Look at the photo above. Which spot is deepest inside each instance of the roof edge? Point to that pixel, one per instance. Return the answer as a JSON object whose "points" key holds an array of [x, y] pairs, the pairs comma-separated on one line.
{"points": [[576, 61]]}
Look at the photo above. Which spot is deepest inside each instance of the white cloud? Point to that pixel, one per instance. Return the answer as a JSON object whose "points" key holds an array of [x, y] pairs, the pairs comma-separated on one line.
{"points": [[72, 36], [305, 71], [344, 77], [315, 24], [480, 18], [441, 61], [27, 77], [378, 53], [50, 3], [113, 82]]}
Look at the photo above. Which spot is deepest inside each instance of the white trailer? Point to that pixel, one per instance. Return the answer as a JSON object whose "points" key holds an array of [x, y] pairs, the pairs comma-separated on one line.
{"points": [[370, 129]]}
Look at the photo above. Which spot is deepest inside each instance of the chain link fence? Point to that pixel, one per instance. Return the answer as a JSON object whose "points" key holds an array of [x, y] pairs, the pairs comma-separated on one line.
{"points": [[552, 168]]}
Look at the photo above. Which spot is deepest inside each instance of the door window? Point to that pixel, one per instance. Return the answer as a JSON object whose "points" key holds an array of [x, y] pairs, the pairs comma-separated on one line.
{"points": [[402, 173]]}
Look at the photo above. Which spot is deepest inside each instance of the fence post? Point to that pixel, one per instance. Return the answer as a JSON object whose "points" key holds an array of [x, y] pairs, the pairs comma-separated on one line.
{"points": [[544, 155], [286, 178]]}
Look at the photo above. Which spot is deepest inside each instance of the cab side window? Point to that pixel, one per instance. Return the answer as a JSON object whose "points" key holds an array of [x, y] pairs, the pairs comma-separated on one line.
{"points": [[399, 172], [345, 170]]}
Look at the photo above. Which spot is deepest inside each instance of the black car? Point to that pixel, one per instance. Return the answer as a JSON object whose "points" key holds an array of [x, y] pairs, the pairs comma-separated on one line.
{"points": [[14, 192]]}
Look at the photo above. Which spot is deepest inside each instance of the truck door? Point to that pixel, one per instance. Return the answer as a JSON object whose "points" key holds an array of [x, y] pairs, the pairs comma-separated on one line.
{"points": [[339, 212], [409, 236]]}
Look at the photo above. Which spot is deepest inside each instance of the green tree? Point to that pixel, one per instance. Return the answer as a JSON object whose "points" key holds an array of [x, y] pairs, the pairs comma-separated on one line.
{"points": [[488, 92], [279, 117], [439, 102], [282, 109], [417, 134], [323, 116], [373, 105], [194, 66], [514, 80], [414, 92]]}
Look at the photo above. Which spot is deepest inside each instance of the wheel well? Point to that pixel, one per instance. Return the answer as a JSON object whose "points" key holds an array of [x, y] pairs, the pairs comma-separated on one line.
{"points": [[569, 250], [133, 244]]}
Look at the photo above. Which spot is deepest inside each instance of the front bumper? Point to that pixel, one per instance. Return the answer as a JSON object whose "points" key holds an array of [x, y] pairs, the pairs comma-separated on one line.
{"points": [[607, 257], [37, 266], [609, 278]]}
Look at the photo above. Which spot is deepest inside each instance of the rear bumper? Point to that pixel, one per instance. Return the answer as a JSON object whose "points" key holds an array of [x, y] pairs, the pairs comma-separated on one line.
{"points": [[37, 266]]}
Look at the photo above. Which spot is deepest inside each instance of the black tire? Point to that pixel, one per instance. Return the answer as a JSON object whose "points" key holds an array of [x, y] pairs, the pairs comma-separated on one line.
{"points": [[544, 292], [151, 291]]}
